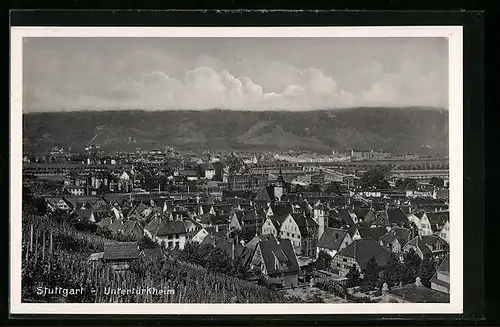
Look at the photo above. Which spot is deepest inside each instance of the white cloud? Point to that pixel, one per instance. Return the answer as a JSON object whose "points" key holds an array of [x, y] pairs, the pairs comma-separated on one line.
{"points": [[154, 80], [206, 88]]}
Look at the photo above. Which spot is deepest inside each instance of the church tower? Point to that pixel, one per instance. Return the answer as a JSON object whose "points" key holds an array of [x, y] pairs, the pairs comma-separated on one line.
{"points": [[321, 218], [279, 186]]}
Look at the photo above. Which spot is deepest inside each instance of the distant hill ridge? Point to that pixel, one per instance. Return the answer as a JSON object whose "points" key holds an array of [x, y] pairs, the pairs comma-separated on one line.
{"points": [[403, 130]]}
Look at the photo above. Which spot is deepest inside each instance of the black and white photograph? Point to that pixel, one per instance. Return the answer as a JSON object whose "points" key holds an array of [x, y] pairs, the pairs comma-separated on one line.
{"points": [[297, 170]]}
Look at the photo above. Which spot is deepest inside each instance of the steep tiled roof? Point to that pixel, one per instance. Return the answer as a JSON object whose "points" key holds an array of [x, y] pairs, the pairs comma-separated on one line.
{"points": [[252, 215], [361, 212], [121, 251], [438, 219], [397, 233], [266, 194], [332, 238], [375, 232], [345, 216], [444, 268], [277, 221], [397, 216], [281, 208], [282, 251], [426, 243], [208, 219], [160, 227], [223, 244], [363, 250], [304, 223]]}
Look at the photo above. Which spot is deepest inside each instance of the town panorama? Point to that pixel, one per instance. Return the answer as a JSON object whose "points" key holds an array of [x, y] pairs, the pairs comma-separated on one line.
{"points": [[161, 225]]}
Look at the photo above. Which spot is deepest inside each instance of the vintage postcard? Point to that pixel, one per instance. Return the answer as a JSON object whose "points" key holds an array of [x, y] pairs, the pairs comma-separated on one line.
{"points": [[305, 170]]}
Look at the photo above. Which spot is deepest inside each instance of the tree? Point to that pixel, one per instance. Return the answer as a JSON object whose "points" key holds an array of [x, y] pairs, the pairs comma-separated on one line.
{"points": [[375, 177], [147, 243], [316, 188], [426, 270], [353, 277], [436, 181], [393, 271], [371, 273], [406, 183], [333, 188], [411, 264], [324, 260]]}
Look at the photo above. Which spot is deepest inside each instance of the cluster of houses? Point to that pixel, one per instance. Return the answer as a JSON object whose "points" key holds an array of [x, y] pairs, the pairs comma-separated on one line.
{"points": [[275, 232]]}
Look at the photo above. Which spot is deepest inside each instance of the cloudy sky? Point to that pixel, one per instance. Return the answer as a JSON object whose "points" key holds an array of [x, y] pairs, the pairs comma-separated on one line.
{"points": [[233, 73]]}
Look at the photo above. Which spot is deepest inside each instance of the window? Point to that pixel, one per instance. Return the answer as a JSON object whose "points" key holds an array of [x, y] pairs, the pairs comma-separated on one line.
{"points": [[177, 244], [176, 235], [170, 244], [344, 260]]}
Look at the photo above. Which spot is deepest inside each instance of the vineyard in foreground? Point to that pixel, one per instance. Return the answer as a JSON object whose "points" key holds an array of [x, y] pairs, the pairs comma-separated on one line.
{"points": [[56, 256]]}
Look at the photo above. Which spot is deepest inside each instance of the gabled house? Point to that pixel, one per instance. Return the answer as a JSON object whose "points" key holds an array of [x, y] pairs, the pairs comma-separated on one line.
{"points": [[433, 223], [57, 203], [441, 279], [208, 170], [332, 241], [358, 253], [236, 221], [190, 225], [230, 247], [444, 233], [353, 230], [302, 231], [206, 209], [117, 255], [439, 223], [129, 228], [276, 261], [348, 218], [395, 239], [427, 245], [272, 225], [172, 233], [85, 216], [200, 235], [253, 219], [219, 222]]}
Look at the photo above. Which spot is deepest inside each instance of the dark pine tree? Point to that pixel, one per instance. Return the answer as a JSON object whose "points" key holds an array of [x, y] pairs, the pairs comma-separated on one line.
{"points": [[411, 264], [353, 277], [393, 271], [426, 270], [371, 273]]}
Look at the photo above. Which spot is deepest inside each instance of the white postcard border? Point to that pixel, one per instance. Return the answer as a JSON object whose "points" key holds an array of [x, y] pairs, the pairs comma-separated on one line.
{"points": [[455, 37]]}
